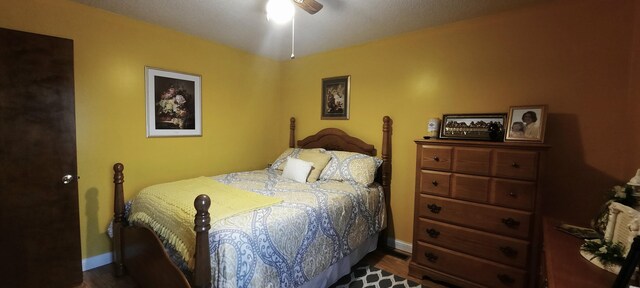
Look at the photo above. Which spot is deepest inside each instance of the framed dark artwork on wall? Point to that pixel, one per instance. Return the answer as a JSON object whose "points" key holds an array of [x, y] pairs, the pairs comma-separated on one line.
{"points": [[526, 123], [335, 98], [173, 103], [486, 127]]}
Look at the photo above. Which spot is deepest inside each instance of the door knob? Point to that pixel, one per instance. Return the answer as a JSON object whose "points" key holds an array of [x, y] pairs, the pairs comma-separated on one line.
{"points": [[66, 179]]}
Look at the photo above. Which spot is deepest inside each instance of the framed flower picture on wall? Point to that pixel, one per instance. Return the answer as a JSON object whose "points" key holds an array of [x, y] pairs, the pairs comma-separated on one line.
{"points": [[173, 103], [335, 98]]}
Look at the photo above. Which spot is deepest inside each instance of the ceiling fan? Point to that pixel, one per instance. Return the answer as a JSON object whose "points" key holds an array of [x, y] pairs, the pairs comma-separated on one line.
{"points": [[311, 6], [282, 11]]}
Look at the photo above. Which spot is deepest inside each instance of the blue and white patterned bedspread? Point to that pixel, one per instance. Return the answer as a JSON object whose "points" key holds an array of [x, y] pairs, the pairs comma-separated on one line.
{"points": [[287, 244]]}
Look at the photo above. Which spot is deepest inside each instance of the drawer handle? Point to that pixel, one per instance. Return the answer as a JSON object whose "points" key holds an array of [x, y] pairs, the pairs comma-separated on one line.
{"points": [[431, 257], [433, 233], [515, 165], [510, 222], [506, 279], [434, 182], [436, 158], [513, 194], [508, 251], [435, 209]]}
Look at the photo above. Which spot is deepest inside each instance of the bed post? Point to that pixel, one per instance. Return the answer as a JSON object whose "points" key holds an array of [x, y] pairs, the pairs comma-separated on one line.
{"points": [[386, 156], [118, 218], [292, 134], [202, 270], [386, 175]]}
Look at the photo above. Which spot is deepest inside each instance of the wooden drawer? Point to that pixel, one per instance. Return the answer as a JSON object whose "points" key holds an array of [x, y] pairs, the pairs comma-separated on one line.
{"points": [[488, 218], [422, 272], [478, 270], [436, 157], [468, 187], [472, 160], [436, 183], [513, 193], [497, 248], [515, 164]]}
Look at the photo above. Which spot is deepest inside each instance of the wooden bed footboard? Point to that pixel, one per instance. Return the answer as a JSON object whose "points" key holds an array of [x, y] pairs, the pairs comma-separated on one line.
{"points": [[140, 253]]}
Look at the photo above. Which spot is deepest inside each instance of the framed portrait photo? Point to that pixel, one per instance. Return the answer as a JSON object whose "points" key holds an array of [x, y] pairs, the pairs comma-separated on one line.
{"points": [[335, 98], [526, 123], [174, 103]]}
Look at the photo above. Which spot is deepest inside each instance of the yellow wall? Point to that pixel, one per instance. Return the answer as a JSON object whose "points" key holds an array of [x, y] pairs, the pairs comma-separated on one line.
{"points": [[572, 56], [111, 51]]}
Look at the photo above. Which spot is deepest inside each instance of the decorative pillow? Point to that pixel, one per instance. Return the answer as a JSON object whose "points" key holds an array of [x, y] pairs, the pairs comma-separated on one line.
{"points": [[319, 161], [350, 166], [293, 152], [296, 169]]}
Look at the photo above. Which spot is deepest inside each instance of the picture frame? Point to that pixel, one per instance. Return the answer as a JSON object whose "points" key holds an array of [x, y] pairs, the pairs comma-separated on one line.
{"points": [[173, 103], [526, 123], [335, 98], [483, 127], [622, 227]]}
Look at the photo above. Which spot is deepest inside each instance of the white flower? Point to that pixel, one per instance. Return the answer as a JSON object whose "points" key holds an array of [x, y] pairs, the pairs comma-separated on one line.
{"points": [[167, 105], [178, 121], [180, 99], [619, 190], [603, 250]]}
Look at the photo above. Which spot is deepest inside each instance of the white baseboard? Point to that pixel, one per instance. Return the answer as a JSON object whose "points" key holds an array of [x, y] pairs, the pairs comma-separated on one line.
{"points": [[400, 245], [97, 261]]}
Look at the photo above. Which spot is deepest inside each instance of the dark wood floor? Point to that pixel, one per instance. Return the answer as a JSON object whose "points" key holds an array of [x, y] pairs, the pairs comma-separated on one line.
{"points": [[396, 262]]}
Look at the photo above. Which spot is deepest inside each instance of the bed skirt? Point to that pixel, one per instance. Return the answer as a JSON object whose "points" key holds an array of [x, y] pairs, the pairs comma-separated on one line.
{"points": [[343, 266]]}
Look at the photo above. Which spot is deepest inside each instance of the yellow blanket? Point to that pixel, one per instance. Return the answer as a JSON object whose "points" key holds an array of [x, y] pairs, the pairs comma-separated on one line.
{"points": [[168, 208]]}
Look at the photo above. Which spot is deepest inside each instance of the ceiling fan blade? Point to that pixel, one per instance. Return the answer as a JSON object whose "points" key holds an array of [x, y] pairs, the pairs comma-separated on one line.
{"points": [[310, 6]]}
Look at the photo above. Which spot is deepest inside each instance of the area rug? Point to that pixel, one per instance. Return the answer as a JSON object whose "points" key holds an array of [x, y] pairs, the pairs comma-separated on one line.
{"points": [[366, 276]]}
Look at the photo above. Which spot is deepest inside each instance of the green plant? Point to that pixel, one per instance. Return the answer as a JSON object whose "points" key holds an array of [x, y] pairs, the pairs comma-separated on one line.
{"points": [[607, 252]]}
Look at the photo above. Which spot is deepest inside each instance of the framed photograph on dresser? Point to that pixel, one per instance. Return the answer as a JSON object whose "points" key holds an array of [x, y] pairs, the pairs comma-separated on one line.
{"points": [[526, 123], [487, 127]]}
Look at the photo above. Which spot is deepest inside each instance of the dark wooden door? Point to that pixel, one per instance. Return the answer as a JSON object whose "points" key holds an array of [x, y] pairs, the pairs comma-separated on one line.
{"points": [[39, 221]]}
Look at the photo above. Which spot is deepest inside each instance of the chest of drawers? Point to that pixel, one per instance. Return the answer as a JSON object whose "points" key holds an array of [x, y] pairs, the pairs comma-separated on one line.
{"points": [[476, 220]]}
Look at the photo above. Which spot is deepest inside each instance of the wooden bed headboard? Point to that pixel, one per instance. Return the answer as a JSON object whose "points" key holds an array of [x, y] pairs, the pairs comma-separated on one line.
{"points": [[336, 139]]}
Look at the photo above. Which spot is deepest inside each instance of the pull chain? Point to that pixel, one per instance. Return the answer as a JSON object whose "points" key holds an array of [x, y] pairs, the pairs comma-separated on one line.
{"points": [[293, 37]]}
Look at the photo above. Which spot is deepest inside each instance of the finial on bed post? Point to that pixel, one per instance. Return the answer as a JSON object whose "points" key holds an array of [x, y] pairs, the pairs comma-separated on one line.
{"points": [[118, 218], [202, 270], [292, 132]]}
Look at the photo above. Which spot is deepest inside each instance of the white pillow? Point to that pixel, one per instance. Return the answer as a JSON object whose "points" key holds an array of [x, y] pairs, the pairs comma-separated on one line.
{"points": [[296, 169]]}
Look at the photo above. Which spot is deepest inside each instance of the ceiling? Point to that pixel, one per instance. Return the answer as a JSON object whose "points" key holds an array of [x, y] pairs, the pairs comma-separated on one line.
{"points": [[242, 24]]}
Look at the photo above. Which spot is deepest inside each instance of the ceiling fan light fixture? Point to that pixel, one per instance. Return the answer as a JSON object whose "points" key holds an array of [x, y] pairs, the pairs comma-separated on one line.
{"points": [[280, 11]]}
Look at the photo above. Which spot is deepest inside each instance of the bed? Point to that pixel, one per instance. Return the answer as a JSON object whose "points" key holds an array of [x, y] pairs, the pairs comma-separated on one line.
{"points": [[270, 246]]}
